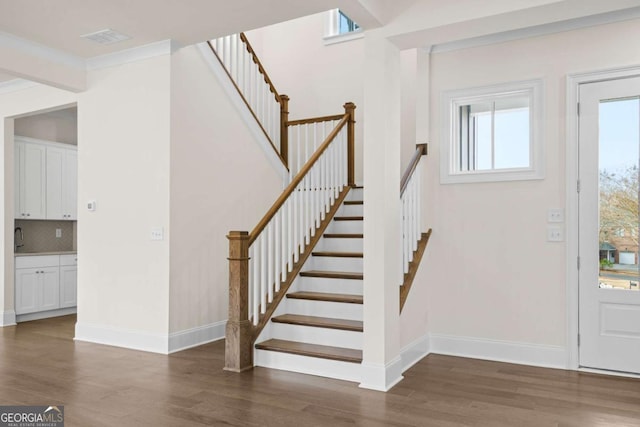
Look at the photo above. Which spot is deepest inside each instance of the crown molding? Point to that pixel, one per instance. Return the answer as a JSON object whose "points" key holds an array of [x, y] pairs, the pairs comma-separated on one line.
{"points": [[163, 47], [16, 84], [539, 30], [40, 51]]}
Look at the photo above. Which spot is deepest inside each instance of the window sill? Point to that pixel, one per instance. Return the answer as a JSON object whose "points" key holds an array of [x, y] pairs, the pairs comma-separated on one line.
{"points": [[340, 38], [492, 176]]}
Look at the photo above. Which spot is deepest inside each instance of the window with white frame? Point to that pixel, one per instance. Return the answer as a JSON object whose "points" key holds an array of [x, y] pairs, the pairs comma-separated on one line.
{"points": [[492, 133], [339, 27]]}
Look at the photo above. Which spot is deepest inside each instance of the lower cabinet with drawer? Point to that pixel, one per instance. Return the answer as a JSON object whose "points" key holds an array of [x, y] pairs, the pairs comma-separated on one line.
{"points": [[45, 282]]}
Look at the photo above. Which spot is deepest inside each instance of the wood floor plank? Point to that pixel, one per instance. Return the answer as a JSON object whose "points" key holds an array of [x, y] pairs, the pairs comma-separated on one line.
{"points": [[104, 386]]}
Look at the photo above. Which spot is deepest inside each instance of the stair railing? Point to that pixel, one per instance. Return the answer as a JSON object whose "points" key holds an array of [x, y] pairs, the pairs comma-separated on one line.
{"points": [[270, 109], [413, 239], [264, 263]]}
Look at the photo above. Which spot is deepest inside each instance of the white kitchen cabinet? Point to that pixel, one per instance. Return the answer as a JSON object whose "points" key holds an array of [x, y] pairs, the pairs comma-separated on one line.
{"points": [[27, 284], [45, 282], [46, 180], [30, 180], [68, 281], [62, 183], [37, 289]]}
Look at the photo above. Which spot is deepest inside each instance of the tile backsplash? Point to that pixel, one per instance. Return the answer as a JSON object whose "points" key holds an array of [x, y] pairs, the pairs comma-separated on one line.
{"points": [[40, 236]]}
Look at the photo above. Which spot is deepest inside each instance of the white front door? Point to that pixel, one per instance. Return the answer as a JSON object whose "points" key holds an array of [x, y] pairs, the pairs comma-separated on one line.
{"points": [[609, 152]]}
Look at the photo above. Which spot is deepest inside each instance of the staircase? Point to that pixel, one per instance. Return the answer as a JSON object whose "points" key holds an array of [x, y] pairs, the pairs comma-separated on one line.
{"points": [[296, 280], [321, 316]]}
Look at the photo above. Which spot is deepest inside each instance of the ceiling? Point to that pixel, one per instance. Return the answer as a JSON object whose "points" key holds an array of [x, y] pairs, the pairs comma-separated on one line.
{"points": [[59, 24], [41, 40]]}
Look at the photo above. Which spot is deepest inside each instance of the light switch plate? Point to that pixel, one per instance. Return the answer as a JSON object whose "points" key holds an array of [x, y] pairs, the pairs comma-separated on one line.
{"points": [[555, 215], [157, 233], [555, 233], [58, 232], [91, 205]]}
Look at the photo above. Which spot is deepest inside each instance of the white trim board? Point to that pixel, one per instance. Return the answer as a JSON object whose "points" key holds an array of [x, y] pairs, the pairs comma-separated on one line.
{"points": [[46, 314], [500, 351], [415, 352], [573, 81], [8, 318], [243, 111], [194, 337], [381, 377], [151, 342], [16, 84], [163, 47]]}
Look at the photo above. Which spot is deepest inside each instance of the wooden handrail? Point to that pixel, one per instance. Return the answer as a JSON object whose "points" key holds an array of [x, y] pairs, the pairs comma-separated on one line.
{"points": [[315, 120], [421, 150], [260, 67], [296, 180]]}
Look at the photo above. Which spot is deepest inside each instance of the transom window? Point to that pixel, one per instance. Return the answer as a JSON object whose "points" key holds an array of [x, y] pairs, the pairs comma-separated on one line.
{"points": [[493, 133], [340, 28]]}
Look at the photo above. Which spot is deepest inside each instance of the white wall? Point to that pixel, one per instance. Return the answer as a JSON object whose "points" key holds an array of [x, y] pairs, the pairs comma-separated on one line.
{"points": [[489, 271], [220, 181], [12, 105], [319, 79], [123, 164]]}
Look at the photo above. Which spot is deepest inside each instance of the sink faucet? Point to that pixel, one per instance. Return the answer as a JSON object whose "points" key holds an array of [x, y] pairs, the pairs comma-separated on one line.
{"points": [[15, 239]]}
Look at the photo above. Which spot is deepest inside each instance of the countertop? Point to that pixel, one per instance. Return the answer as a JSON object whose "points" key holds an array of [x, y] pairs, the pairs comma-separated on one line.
{"points": [[46, 253]]}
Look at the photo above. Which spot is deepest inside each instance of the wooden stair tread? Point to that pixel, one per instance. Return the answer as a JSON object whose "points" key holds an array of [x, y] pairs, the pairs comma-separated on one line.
{"points": [[343, 235], [323, 296], [339, 254], [353, 202], [332, 274], [320, 322], [348, 218], [312, 350]]}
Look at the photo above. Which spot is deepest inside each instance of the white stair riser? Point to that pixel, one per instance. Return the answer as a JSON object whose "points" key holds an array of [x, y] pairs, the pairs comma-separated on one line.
{"points": [[350, 210], [339, 245], [345, 227], [334, 264], [336, 310], [331, 286], [320, 336], [308, 365], [355, 194]]}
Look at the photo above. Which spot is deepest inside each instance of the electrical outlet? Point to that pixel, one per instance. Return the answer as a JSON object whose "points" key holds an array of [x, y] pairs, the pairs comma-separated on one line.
{"points": [[157, 233], [58, 233], [555, 215], [555, 234]]}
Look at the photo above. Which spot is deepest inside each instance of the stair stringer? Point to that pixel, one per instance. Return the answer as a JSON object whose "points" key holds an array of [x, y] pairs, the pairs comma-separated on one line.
{"points": [[238, 103]]}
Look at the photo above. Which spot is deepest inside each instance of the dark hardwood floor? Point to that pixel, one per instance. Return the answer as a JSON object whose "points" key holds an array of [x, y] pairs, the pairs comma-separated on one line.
{"points": [[40, 364]]}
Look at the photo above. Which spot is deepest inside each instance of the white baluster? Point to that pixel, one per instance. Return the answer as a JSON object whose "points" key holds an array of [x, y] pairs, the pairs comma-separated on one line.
{"points": [[285, 238], [277, 253], [270, 263], [256, 279], [263, 272]]}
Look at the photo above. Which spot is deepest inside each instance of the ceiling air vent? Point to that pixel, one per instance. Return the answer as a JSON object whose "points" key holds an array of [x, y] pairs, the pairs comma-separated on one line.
{"points": [[107, 36]]}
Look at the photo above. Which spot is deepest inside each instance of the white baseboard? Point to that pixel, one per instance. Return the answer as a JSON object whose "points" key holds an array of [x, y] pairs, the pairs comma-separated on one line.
{"points": [[46, 314], [414, 352], [381, 377], [8, 318], [500, 351], [145, 341], [194, 337], [119, 337]]}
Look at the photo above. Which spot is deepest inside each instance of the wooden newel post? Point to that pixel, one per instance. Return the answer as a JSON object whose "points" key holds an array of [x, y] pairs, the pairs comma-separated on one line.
{"points": [[350, 109], [284, 134], [238, 354]]}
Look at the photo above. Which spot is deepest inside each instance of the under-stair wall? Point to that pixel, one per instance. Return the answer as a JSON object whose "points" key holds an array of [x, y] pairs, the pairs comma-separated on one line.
{"points": [[220, 180]]}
